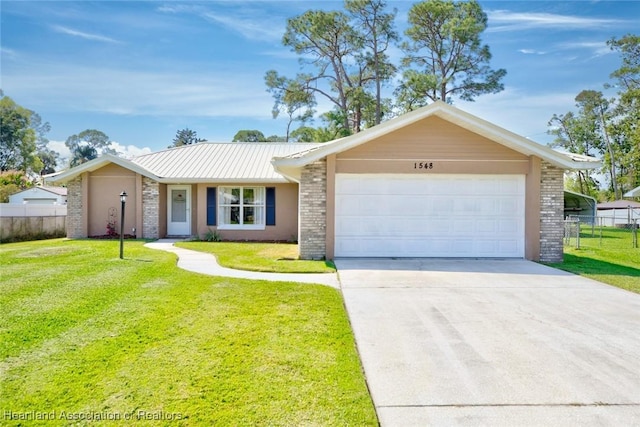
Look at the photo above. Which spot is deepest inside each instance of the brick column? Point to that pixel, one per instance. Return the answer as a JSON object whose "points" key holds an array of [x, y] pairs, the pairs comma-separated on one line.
{"points": [[75, 229], [150, 208], [313, 210], [551, 213]]}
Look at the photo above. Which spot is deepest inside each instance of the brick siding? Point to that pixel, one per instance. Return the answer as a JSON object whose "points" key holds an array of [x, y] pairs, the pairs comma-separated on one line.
{"points": [[150, 208], [74, 209], [313, 210], [551, 213]]}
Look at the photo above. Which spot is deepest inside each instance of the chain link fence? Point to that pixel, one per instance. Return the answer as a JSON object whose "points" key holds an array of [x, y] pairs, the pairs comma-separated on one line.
{"points": [[582, 231]]}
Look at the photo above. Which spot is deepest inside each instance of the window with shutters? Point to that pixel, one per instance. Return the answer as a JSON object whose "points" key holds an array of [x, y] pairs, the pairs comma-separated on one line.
{"points": [[241, 208]]}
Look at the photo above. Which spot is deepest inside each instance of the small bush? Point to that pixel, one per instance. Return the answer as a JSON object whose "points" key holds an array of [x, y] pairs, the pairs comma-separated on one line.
{"points": [[212, 236]]}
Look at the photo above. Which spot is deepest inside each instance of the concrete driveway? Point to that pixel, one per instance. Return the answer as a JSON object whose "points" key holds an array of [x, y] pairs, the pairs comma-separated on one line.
{"points": [[493, 342]]}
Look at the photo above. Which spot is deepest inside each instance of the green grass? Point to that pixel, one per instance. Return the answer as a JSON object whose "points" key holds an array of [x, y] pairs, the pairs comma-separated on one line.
{"points": [[611, 259], [268, 257], [83, 333]]}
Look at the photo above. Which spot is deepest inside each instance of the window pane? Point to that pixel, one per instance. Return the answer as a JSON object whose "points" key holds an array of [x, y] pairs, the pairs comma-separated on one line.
{"points": [[259, 196], [258, 215], [230, 215], [178, 205], [249, 215], [249, 196], [229, 196]]}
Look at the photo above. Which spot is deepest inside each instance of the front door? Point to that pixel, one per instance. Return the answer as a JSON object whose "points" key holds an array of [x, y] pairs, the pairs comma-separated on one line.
{"points": [[178, 210]]}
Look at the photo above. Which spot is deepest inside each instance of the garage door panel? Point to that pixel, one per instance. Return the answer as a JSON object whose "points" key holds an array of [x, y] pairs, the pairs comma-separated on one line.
{"points": [[430, 215]]}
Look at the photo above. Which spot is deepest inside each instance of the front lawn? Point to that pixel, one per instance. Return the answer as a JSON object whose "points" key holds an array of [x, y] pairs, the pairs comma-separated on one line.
{"points": [[609, 259], [88, 336], [268, 257]]}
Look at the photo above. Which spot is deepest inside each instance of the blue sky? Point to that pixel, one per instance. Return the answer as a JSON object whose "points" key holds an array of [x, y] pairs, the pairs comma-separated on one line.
{"points": [[139, 71]]}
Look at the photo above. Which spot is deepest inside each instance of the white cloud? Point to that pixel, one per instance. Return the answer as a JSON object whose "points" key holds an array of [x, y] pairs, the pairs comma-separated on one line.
{"points": [[83, 35], [125, 151], [504, 20], [597, 48], [532, 52], [60, 148], [129, 151], [5, 52], [250, 27], [249, 23]]}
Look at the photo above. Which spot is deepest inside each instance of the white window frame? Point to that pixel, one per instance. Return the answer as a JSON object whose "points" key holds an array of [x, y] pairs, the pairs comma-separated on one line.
{"points": [[260, 204]]}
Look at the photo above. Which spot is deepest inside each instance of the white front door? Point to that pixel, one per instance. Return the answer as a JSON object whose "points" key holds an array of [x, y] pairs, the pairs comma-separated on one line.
{"points": [[178, 210]]}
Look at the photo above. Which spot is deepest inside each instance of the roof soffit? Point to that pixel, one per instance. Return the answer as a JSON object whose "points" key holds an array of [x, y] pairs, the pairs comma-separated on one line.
{"points": [[98, 163]]}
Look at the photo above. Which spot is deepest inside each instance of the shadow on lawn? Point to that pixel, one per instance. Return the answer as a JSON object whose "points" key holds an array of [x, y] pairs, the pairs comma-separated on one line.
{"points": [[586, 265]]}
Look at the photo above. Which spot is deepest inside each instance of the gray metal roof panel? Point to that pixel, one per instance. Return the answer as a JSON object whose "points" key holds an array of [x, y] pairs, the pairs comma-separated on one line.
{"points": [[220, 161]]}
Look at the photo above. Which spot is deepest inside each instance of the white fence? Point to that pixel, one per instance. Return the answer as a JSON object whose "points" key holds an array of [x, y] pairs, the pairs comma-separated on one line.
{"points": [[31, 221], [618, 217]]}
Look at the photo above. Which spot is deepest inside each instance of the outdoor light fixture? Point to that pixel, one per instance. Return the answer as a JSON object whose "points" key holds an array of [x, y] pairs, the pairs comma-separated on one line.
{"points": [[123, 199]]}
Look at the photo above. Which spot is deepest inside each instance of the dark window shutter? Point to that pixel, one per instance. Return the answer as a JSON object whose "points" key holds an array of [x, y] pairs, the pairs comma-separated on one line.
{"points": [[271, 206], [211, 205]]}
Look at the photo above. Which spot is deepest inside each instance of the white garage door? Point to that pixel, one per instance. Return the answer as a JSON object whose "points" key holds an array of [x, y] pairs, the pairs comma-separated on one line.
{"points": [[381, 215]]}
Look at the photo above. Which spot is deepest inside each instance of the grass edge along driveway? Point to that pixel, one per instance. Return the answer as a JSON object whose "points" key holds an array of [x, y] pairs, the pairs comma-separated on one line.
{"points": [[265, 257], [84, 334]]}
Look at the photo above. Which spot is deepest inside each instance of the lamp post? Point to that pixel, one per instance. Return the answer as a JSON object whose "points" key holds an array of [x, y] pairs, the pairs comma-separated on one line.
{"points": [[123, 199]]}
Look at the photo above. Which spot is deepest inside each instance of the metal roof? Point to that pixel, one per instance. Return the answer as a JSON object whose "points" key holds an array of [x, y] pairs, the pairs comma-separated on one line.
{"points": [[618, 204], [221, 162], [633, 193]]}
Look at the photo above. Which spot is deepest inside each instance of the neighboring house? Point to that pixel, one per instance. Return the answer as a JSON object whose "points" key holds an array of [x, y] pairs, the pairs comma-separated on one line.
{"points": [[580, 205], [618, 213], [40, 196], [436, 182]]}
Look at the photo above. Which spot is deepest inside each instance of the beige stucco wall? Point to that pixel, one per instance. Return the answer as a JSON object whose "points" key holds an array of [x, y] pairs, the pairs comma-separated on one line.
{"points": [[98, 192], [286, 227], [452, 150], [104, 188]]}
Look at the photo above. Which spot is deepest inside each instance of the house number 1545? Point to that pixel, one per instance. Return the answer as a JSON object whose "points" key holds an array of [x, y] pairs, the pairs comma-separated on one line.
{"points": [[423, 165]]}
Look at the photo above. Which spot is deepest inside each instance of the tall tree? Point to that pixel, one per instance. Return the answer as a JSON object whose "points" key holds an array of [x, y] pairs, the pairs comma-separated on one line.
{"points": [[328, 40], [185, 136], [290, 98], [626, 126], [249, 136], [87, 145], [82, 154], [577, 134], [376, 32], [596, 109], [48, 156], [18, 149], [11, 182], [593, 130], [445, 56]]}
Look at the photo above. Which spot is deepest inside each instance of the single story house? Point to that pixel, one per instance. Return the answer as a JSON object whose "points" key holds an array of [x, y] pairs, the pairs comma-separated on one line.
{"points": [[435, 182], [40, 196], [620, 213]]}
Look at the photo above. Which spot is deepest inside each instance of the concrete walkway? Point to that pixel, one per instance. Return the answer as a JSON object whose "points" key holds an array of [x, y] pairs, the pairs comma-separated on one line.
{"points": [[200, 262]]}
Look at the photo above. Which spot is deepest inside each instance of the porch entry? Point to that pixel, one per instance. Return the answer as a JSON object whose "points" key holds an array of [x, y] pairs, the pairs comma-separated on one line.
{"points": [[178, 210]]}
